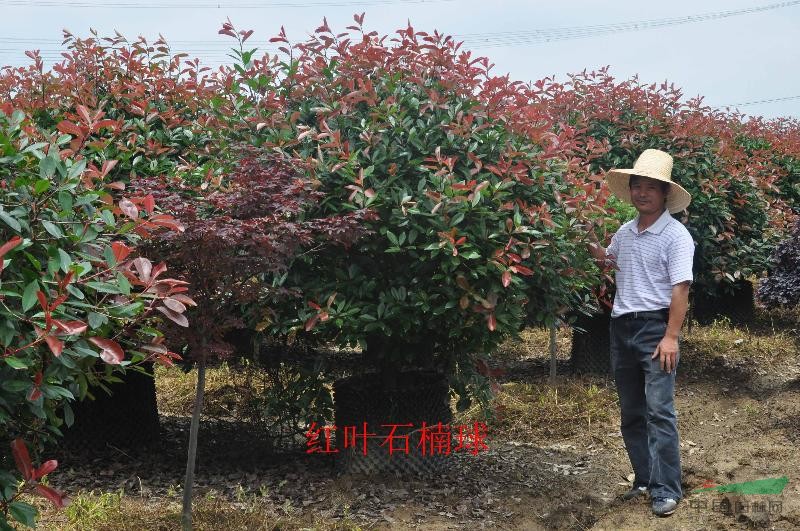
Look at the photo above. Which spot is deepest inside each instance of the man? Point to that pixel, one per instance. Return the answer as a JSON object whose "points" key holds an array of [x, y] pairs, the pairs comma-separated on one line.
{"points": [[653, 258]]}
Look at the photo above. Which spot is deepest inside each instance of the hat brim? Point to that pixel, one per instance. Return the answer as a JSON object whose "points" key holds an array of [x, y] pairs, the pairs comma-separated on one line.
{"points": [[618, 181]]}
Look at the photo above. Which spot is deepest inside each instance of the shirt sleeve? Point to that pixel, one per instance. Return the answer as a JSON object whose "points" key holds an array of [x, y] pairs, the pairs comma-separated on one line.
{"points": [[613, 247], [680, 257]]}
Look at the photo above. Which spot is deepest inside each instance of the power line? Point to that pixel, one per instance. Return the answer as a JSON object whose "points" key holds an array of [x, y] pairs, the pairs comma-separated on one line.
{"points": [[758, 102], [220, 49], [493, 40], [193, 4], [482, 40]]}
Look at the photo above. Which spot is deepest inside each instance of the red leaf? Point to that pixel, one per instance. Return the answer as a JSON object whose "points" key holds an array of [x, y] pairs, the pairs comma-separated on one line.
{"points": [[42, 301], [174, 305], [522, 270], [177, 318], [70, 128], [10, 244], [84, 114], [105, 123], [34, 394], [108, 165], [70, 327], [163, 220], [491, 322], [324, 28], [51, 494], [157, 349], [144, 267], [46, 468], [56, 345], [22, 458], [185, 299], [128, 208], [157, 270], [149, 204], [506, 278], [110, 351], [121, 251], [47, 318], [311, 322]]}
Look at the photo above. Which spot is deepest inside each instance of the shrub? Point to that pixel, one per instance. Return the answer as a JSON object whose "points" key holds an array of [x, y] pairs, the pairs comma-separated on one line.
{"points": [[72, 291], [733, 218], [471, 233], [782, 287]]}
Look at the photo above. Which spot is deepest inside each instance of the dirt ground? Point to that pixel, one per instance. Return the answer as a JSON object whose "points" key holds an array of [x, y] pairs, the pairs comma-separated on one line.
{"points": [[738, 403]]}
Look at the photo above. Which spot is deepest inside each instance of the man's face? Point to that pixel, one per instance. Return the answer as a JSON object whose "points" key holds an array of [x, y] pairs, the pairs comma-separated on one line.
{"points": [[647, 195]]}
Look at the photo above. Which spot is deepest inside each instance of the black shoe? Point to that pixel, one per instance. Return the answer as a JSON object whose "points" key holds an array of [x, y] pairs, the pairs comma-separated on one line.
{"points": [[634, 493]]}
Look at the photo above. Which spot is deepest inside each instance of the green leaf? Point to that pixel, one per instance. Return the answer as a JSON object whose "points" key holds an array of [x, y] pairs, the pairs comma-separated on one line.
{"points": [[15, 386], [66, 260], [104, 287], [108, 217], [127, 310], [47, 166], [32, 259], [15, 363], [77, 293], [69, 415], [23, 513], [76, 169], [124, 285], [96, 320], [53, 229], [55, 391], [41, 186], [29, 295], [65, 200], [10, 221], [90, 234]]}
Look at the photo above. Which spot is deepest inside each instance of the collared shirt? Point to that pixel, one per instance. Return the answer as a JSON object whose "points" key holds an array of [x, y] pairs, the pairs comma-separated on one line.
{"points": [[649, 263]]}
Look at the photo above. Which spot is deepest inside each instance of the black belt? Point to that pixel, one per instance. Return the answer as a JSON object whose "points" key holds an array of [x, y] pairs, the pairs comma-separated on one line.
{"points": [[660, 315]]}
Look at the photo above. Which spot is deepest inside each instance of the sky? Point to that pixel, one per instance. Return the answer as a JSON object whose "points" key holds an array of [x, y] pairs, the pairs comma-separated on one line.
{"points": [[731, 52]]}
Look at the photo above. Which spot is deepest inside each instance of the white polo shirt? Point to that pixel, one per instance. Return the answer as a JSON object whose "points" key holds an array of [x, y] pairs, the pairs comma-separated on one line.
{"points": [[649, 263]]}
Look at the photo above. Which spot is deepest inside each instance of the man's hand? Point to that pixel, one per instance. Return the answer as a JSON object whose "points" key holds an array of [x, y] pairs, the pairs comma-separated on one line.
{"points": [[597, 251], [667, 352]]}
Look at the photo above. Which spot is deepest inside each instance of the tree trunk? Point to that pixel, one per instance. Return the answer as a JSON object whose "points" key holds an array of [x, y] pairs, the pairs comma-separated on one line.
{"points": [[553, 350], [186, 515]]}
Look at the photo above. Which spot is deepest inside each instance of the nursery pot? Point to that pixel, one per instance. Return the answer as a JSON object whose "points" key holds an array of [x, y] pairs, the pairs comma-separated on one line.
{"points": [[387, 406], [126, 418], [591, 346]]}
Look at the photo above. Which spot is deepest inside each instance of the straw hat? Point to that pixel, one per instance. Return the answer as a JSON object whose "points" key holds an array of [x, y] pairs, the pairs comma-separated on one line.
{"points": [[656, 165]]}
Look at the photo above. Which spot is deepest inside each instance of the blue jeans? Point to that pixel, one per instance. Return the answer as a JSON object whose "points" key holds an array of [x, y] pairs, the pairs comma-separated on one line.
{"points": [[646, 397]]}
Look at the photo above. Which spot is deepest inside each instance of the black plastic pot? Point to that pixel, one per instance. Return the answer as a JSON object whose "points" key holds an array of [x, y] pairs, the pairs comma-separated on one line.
{"points": [[411, 397], [127, 418], [591, 348], [738, 307]]}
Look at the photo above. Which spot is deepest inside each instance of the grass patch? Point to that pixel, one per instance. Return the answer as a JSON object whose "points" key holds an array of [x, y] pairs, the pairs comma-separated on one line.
{"points": [[91, 511], [534, 342], [542, 412], [740, 342], [228, 393]]}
